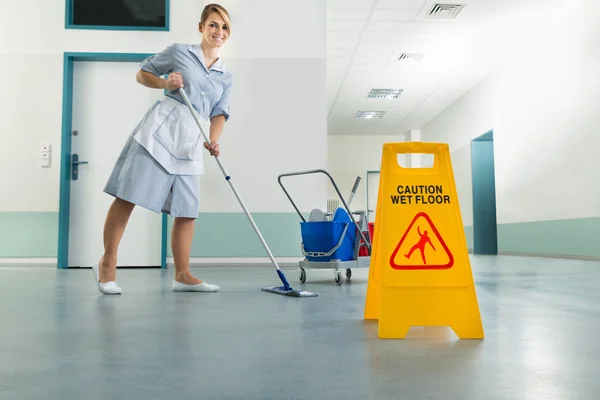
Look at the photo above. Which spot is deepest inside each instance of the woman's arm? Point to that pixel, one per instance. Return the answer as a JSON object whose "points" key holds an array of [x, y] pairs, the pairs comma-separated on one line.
{"points": [[150, 80], [216, 128], [173, 82], [220, 114]]}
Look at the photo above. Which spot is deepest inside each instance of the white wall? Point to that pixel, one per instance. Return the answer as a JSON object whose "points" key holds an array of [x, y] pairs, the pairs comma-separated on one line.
{"points": [[350, 156], [542, 104], [278, 115], [471, 116]]}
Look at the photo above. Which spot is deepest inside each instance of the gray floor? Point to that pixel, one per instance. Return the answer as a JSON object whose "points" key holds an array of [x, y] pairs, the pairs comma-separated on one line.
{"points": [[61, 339]]}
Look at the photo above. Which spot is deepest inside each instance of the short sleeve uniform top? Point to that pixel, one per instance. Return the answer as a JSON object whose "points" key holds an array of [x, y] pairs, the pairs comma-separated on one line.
{"points": [[209, 90], [167, 131]]}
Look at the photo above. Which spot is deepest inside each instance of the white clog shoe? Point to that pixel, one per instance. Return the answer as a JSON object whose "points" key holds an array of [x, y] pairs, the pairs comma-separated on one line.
{"points": [[105, 287], [201, 287]]}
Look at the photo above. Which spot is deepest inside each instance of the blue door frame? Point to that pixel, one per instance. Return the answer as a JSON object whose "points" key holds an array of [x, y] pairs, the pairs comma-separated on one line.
{"points": [[65, 152]]}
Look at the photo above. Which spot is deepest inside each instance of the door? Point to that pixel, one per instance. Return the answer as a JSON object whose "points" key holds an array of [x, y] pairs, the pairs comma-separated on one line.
{"points": [[485, 228], [107, 104], [372, 192]]}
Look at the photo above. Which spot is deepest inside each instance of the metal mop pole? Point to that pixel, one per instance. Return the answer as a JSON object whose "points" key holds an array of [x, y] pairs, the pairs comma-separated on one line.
{"points": [[228, 179]]}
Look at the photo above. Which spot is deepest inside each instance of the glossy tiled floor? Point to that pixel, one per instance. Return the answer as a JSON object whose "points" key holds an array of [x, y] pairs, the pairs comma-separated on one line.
{"points": [[61, 339]]}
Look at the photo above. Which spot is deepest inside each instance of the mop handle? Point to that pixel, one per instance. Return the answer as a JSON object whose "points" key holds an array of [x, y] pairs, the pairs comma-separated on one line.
{"points": [[354, 189], [228, 179], [206, 138]]}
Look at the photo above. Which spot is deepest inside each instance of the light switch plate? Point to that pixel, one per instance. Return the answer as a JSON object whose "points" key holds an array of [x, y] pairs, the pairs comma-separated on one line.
{"points": [[44, 158]]}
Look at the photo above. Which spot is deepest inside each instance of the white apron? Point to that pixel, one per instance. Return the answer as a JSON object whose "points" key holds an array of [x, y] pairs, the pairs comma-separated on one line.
{"points": [[171, 135]]}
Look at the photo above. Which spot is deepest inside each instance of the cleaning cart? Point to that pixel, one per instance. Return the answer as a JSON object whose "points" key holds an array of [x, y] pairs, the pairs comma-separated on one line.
{"points": [[334, 240]]}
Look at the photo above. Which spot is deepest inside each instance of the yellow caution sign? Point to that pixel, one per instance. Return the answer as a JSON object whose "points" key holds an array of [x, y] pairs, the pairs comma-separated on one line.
{"points": [[420, 272], [372, 301]]}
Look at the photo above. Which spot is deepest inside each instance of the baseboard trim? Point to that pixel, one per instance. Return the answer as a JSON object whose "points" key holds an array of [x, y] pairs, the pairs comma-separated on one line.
{"points": [[50, 260], [542, 255], [239, 260]]}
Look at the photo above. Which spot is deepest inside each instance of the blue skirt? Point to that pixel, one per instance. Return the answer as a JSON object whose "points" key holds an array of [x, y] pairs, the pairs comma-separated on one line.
{"points": [[139, 179]]}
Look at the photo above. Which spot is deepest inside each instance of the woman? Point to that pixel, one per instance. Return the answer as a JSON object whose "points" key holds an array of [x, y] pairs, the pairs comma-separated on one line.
{"points": [[160, 166]]}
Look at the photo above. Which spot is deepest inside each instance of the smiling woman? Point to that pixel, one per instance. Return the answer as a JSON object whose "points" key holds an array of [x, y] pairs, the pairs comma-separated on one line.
{"points": [[160, 165], [209, 25]]}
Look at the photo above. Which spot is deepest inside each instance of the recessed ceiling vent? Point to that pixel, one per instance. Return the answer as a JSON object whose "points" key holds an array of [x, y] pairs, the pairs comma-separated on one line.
{"points": [[410, 57], [442, 11], [369, 114], [384, 93]]}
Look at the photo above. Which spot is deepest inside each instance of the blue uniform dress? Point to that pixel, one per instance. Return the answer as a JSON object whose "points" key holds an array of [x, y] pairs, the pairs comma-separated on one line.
{"points": [[160, 165]]}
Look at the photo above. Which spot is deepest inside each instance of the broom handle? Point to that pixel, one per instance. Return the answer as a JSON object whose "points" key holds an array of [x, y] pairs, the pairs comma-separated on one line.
{"points": [[228, 179]]}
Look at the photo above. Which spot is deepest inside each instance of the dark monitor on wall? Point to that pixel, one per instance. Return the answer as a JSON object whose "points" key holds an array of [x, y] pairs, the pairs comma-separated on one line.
{"points": [[118, 14]]}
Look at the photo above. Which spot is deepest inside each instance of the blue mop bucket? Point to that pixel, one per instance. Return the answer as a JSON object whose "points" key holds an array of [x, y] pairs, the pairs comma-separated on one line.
{"points": [[323, 241]]}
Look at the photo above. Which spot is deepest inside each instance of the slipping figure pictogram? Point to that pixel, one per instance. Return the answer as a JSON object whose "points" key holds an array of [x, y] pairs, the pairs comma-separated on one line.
{"points": [[421, 245]]}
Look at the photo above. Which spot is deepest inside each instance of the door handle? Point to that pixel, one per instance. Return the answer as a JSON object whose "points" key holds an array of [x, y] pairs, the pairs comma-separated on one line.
{"points": [[75, 166]]}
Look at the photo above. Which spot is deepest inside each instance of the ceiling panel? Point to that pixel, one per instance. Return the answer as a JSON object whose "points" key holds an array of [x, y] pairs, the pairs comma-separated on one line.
{"points": [[393, 15], [334, 82], [339, 64], [347, 107], [394, 79], [366, 37], [345, 26], [413, 27], [341, 44], [343, 36], [404, 40], [399, 4], [350, 4], [402, 129], [366, 49], [341, 47], [347, 15], [345, 52], [359, 126]]}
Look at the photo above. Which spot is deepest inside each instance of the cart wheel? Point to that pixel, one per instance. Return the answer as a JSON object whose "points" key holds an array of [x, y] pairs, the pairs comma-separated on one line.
{"points": [[302, 275], [338, 277], [348, 273]]}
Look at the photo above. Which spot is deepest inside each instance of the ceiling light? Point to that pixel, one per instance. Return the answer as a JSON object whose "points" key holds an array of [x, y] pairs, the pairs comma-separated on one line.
{"points": [[369, 114], [384, 93], [410, 57]]}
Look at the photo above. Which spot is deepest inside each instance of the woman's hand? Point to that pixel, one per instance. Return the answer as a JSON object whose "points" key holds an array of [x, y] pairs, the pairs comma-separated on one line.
{"points": [[174, 82], [213, 148]]}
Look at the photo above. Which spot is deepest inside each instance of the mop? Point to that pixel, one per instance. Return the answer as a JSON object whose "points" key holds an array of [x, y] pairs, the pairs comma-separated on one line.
{"points": [[286, 289]]}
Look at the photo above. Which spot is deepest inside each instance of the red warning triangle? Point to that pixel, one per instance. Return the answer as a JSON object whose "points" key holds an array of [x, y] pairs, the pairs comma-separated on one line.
{"points": [[421, 247]]}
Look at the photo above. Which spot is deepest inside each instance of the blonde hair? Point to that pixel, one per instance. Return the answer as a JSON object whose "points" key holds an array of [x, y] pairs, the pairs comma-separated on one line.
{"points": [[210, 8]]}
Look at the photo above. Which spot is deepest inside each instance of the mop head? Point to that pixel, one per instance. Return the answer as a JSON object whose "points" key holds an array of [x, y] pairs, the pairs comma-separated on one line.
{"points": [[288, 291]]}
